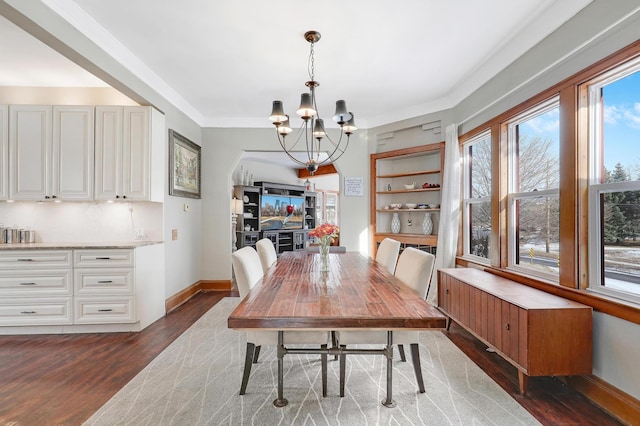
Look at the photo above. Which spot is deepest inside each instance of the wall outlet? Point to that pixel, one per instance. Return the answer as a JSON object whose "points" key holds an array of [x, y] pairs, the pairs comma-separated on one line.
{"points": [[186, 207], [140, 234], [174, 234]]}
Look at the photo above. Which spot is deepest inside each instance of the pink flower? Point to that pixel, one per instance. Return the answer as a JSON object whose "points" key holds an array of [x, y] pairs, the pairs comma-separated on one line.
{"points": [[325, 230]]}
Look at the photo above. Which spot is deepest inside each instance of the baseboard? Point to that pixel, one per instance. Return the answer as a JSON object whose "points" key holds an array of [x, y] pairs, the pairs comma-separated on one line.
{"points": [[187, 293], [619, 404]]}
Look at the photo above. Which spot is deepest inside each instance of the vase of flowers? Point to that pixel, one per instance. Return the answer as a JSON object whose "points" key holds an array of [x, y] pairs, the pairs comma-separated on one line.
{"points": [[325, 234]]}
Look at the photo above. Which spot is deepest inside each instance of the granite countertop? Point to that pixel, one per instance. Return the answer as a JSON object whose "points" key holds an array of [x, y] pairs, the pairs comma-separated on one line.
{"points": [[78, 245]]}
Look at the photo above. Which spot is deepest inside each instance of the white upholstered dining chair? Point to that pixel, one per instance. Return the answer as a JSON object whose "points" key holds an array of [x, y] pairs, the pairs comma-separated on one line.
{"points": [[267, 253], [387, 254], [414, 269], [248, 271]]}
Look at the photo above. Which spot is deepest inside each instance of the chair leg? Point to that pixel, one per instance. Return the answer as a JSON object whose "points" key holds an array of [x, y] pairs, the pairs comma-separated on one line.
{"points": [[415, 356], [343, 365], [251, 348], [256, 354], [323, 359], [403, 358], [334, 343]]}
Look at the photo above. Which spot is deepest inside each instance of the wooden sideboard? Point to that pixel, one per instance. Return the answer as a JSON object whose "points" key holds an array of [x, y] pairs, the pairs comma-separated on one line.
{"points": [[539, 333]]}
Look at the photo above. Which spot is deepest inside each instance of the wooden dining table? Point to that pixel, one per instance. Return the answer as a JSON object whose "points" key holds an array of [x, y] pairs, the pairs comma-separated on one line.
{"points": [[355, 294]]}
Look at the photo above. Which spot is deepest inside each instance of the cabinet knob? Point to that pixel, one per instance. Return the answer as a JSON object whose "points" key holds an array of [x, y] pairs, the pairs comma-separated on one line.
{"points": [[117, 196], [507, 326], [124, 196], [447, 291], [54, 196], [46, 197]]}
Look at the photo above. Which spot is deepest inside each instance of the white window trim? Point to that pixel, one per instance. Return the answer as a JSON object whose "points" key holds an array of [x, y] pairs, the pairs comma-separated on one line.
{"points": [[511, 237], [595, 238], [468, 200]]}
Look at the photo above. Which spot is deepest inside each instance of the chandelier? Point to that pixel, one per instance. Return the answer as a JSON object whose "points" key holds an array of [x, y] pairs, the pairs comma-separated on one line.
{"points": [[312, 131]]}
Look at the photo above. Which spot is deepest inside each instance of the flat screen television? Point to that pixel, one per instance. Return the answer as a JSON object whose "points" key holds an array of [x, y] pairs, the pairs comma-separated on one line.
{"points": [[281, 212]]}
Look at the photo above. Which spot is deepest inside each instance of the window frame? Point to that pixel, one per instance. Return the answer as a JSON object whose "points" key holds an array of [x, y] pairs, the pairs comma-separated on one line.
{"points": [[514, 194], [596, 185], [468, 200]]}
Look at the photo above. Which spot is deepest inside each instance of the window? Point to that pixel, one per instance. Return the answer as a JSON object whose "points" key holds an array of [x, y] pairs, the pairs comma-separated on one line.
{"points": [[533, 210], [614, 182], [477, 197]]}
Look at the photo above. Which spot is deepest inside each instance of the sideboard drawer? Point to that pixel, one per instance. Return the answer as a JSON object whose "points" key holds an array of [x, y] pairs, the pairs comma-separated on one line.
{"points": [[36, 311], [104, 310], [36, 283], [103, 258], [35, 259], [103, 281]]}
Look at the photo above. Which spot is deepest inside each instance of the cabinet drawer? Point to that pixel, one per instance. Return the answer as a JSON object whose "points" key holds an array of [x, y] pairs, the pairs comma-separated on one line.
{"points": [[36, 311], [103, 310], [103, 281], [36, 283], [35, 259], [103, 258]]}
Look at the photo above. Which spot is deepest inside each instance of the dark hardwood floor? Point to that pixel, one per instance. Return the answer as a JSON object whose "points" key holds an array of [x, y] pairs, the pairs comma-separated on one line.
{"points": [[64, 379]]}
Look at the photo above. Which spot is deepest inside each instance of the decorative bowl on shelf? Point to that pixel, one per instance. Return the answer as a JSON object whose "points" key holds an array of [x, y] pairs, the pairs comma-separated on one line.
{"points": [[395, 205], [423, 206], [411, 205], [434, 206], [410, 186]]}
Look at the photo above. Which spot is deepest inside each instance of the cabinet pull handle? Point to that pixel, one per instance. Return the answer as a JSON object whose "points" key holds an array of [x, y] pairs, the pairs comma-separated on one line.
{"points": [[25, 260], [105, 310], [103, 258], [105, 281], [28, 312], [447, 292], [507, 326], [28, 284]]}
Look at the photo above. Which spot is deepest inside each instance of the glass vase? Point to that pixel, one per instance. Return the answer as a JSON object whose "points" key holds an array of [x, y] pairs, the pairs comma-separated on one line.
{"points": [[324, 255]]}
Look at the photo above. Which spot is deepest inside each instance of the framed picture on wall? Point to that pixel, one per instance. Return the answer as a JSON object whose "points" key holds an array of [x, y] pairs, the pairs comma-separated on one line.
{"points": [[184, 166]]}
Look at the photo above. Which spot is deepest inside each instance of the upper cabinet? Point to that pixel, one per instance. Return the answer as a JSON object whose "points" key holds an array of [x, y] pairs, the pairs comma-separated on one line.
{"points": [[51, 152], [72, 166], [405, 194], [129, 153], [4, 152]]}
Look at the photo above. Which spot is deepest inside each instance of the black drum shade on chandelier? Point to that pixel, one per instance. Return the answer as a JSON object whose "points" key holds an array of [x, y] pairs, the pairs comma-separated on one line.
{"points": [[311, 137]]}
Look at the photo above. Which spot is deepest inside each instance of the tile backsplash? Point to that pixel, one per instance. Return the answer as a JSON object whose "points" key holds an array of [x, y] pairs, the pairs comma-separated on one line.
{"points": [[85, 221]]}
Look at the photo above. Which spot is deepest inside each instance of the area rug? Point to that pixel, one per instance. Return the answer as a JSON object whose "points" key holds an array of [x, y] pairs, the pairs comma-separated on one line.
{"points": [[195, 381]]}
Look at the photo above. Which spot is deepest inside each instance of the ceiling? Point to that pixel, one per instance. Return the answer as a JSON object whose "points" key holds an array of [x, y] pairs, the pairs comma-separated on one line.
{"points": [[223, 62]]}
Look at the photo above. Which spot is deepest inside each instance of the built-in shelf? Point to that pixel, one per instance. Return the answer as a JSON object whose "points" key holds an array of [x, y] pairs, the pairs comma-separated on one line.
{"points": [[391, 172]]}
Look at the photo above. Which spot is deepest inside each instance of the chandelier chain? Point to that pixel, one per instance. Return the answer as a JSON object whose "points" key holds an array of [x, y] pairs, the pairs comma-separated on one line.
{"points": [[312, 63]]}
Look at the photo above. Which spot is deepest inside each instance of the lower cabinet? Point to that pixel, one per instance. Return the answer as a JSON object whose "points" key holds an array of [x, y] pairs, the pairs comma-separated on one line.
{"points": [[104, 286], [81, 290], [539, 333], [36, 287]]}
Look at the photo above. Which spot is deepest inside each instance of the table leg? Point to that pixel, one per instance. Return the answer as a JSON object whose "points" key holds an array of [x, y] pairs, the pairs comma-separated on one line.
{"points": [[389, 402], [280, 401]]}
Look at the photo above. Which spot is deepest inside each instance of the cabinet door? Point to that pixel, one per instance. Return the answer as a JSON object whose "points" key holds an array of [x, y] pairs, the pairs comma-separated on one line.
{"points": [[73, 145], [4, 152], [29, 151], [108, 152], [136, 157]]}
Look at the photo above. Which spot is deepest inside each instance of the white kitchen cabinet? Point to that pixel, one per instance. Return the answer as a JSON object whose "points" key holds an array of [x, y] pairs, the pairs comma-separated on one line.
{"points": [[81, 290], [4, 152], [35, 287], [73, 145], [51, 152], [104, 286], [130, 153]]}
